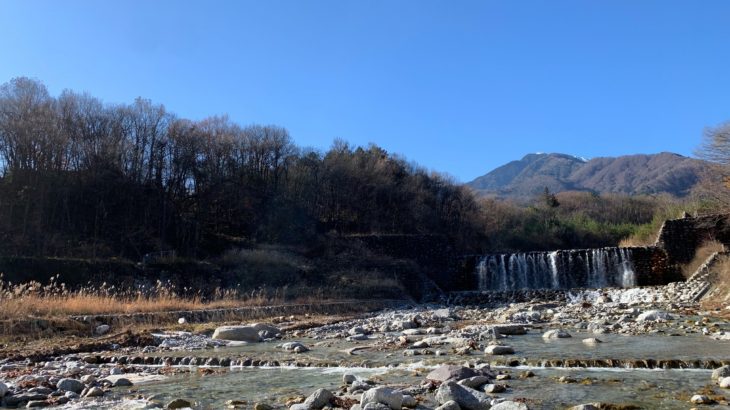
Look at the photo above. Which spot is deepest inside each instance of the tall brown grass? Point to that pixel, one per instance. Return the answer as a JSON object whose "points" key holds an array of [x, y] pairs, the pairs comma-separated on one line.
{"points": [[34, 299], [701, 255], [719, 295]]}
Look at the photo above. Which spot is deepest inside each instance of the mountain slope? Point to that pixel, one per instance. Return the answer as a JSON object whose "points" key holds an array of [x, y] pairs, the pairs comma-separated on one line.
{"points": [[629, 174]]}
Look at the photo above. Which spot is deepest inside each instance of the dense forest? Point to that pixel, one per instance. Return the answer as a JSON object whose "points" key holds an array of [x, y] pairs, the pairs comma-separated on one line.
{"points": [[80, 178], [83, 178]]}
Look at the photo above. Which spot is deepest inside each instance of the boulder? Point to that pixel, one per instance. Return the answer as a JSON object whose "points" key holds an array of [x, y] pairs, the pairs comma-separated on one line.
{"points": [[237, 333], [318, 399], [721, 372], [3, 389], [584, 407], [467, 398], [556, 334], [382, 395], [653, 316], [592, 341], [450, 372], [510, 405], [499, 350], [70, 385], [102, 329], [348, 378]]}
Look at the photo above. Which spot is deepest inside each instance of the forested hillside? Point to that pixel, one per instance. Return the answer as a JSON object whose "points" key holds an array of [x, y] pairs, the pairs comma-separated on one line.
{"points": [[80, 178], [86, 179]]}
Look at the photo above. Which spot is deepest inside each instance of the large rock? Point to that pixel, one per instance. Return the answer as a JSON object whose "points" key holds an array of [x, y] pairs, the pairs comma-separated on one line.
{"points": [[237, 333], [467, 398], [720, 372], [70, 385], [450, 372], [510, 405], [653, 316], [499, 350], [556, 334], [3, 389], [724, 382], [318, 399], [382, 395]]}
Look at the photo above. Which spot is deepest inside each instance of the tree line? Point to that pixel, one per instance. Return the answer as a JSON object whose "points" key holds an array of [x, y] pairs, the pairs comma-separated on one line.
{"points": [[86, 179]]}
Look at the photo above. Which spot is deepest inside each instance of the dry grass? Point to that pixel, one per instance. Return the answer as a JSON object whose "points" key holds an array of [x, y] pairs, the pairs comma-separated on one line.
{"points": [[54, 300], [701, 255], [719, 295]]}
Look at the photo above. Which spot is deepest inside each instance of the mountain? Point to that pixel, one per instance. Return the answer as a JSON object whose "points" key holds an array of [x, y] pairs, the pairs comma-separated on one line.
{"points": [[630, 174]]}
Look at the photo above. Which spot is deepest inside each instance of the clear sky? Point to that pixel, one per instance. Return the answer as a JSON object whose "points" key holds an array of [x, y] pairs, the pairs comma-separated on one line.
{"points": [[457, 86]]}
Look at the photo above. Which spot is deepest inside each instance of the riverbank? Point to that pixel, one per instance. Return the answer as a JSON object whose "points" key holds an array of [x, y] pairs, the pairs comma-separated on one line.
{"points": [[632, 348]]}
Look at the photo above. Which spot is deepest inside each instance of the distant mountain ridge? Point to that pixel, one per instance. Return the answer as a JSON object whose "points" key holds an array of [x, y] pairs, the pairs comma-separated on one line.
{"points": [[629, 174]]}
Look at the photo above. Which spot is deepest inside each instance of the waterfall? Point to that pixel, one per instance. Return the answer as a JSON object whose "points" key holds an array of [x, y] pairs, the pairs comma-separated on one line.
{"points": [[583, 268]]}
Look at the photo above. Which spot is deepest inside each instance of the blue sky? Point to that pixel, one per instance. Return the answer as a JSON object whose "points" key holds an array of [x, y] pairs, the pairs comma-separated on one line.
{"points": [[458, 86]]}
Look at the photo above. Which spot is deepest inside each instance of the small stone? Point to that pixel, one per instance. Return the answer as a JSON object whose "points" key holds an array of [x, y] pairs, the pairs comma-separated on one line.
{"points": [[701, 399], [102, 329], [70, 385], [499, 350], [503, 377], [510, 405], [94, 392], [182, 321], [88, 379], [178, 404], [725, 382], [122, 382], [592, 341], [449, 405], [720, 372], [556, 334], [261, 406], [494, 388], [348, 378]]}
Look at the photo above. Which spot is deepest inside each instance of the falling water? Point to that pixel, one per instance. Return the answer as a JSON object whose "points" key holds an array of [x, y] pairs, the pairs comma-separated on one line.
{"points": [[585, 268]]}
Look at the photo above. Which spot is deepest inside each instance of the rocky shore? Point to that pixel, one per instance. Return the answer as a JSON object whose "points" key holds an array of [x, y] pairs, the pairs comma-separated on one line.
{"points": [[472, 355]]}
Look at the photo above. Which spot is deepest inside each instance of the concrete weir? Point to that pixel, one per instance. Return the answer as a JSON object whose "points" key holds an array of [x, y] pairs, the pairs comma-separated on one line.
{"points": [[574, 268]]}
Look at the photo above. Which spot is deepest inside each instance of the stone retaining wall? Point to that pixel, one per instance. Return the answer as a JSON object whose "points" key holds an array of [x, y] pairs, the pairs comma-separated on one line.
{"points": [[680, 238]]}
